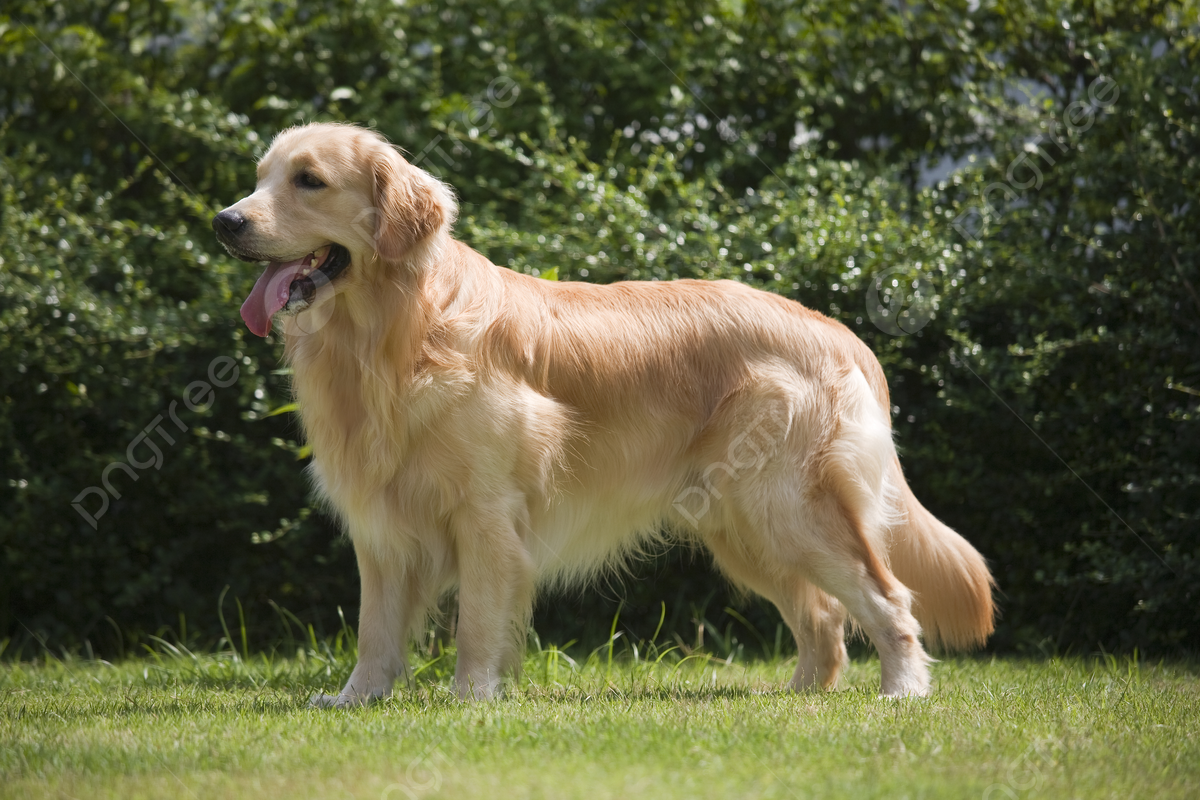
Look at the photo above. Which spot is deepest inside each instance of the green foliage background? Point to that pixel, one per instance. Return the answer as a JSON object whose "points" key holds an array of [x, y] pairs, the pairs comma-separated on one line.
{"points": [[1048, 410]]}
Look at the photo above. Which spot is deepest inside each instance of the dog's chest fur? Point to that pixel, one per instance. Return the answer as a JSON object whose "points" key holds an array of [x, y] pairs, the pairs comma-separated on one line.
{"points": [[417, 432]]}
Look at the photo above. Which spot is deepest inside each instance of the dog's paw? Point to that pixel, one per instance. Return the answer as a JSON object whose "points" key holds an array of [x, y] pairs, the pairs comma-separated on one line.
{"points": [[349, 698], [323, 701], [338, 701], [906, 692]]}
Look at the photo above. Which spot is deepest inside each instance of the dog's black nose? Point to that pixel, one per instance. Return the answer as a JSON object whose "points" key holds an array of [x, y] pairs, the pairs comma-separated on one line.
{"points": [[228, 221]]}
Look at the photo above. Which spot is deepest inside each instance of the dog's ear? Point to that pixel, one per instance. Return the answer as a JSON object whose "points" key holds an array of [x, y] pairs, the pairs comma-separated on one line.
{"points": [[410, 204]]}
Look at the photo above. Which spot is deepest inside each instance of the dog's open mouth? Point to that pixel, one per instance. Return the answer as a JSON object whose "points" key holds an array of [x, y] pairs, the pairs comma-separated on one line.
{"points": [[292, 286]]}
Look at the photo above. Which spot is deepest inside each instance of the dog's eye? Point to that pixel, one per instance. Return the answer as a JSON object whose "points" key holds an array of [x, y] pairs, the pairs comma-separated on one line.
{"points": [[306, 180]]}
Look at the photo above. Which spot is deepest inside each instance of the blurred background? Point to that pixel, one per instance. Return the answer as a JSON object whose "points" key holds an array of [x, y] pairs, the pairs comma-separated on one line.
{"points": [[1013, 183]]}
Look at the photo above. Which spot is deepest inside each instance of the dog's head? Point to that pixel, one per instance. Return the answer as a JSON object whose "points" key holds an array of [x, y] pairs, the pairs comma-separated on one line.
{"points": [[334, 205]]}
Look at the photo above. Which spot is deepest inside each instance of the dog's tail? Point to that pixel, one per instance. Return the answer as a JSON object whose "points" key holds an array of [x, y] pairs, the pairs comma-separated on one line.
{"points": [[950, 581]]}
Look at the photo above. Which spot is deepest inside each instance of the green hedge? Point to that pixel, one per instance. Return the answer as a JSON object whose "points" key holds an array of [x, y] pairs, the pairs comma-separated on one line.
{"points": [[1030, 167]]}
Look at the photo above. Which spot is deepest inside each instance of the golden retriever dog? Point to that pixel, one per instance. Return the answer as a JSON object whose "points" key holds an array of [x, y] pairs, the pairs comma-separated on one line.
{"points": [[480, 429]]}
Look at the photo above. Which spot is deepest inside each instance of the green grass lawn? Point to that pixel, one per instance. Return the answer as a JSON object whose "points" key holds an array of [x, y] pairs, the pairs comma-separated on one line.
{"points": [[221, 726]]}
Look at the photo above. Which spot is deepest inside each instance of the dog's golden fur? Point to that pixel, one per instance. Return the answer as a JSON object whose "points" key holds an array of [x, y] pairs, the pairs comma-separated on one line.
{"points": [[481, 429]]}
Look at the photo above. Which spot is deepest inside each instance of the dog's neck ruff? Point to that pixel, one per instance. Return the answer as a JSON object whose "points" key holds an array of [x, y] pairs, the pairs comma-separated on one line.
{"points": [[365, 382]]}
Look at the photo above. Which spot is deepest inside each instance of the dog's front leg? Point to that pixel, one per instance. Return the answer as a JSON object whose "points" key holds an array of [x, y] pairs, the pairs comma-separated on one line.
{"points": [[494, 601], [388, 599]]}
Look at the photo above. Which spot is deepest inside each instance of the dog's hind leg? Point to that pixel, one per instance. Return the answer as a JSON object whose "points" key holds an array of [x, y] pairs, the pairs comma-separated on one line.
{"points": [[832, 526], [813, 562], [841, 561], [816, 620], [819, 625], [822, 536], [495, 576]]}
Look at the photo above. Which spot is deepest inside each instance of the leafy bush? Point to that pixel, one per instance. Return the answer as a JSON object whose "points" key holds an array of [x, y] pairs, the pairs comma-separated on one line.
{"points": [[1028, 167]]}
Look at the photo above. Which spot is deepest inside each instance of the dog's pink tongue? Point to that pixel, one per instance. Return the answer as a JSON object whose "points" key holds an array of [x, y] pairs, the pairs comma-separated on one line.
{"points": [[270, 293]]}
